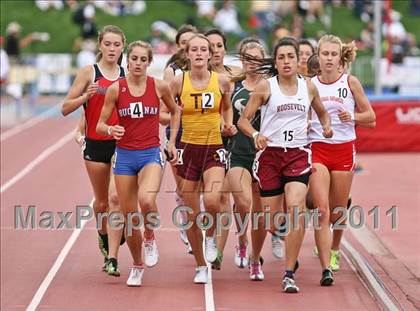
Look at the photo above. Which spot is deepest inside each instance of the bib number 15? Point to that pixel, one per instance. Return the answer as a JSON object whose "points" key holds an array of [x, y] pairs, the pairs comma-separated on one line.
{"points": [[288, 135]]}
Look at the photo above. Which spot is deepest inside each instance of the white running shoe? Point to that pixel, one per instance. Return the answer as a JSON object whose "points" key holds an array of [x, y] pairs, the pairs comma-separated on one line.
{"points": [[201, 275], [210, 249], [289, 285], [255, 271], [151, 254], [136, 277], [277, 247], [241, 255]]}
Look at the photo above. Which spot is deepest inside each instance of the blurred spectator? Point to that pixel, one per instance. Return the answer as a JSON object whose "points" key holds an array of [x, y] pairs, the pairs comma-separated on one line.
{"points": [[363, 9], [4, 61], [84, 16], [205, 8], [262, 18], [396, 29], [415, 7], [348, 3], [44, 5], [121, 7], [367, 36], [313, 9], [21, 75], [402, 43], [162, 37], [283, 8], [226, 20], [298, 27], [14, 43], [89, 28], [86, 56], [279, 32]]}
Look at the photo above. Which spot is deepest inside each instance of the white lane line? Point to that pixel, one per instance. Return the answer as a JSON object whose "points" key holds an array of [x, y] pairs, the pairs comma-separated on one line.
{"points": [[208, 290], [56, 266], [29, 123], [41, 157], [369, 276], [208, 287]]}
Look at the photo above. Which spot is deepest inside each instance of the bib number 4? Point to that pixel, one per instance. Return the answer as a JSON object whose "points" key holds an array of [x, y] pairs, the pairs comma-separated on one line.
{"points": [[136, 110]]}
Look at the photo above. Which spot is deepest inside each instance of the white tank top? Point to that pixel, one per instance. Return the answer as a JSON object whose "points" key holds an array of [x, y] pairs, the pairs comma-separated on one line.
{"points": [[284, 119], [335, 96]]}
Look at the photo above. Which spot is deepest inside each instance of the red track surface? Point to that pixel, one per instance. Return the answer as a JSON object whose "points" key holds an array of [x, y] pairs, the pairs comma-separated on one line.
{"points": [[60, 183]]}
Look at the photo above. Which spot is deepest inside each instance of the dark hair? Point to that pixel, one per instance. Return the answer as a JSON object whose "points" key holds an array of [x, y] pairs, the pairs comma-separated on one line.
{"points": [[179, 58], [314, 68], [308, 43], [287, 41], [267, 66], [184, 29], [215, 31]]}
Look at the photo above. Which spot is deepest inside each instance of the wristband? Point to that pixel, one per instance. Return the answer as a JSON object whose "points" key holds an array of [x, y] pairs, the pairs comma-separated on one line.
{"points": [[255, 134], [110, 130]]}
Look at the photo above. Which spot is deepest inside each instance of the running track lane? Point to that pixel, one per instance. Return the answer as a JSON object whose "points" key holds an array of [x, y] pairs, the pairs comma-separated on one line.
{"points": [[171, 278], [27, 255], [18, 151], [80, 284]]}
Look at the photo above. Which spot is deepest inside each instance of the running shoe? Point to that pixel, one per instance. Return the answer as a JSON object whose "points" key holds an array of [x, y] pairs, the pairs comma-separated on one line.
{"points": [[112, 267], [136, 276], [241, 256], [255, 271], [217, 264], [277, 246], [151, 254], [201, 275], [335, 260], [210, 249], [289, 285], [327, 278]]}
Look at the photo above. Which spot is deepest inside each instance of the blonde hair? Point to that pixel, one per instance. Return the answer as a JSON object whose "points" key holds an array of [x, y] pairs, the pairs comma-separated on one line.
{"points": [[110, 29], [242, 52], [201, 36], [347, 51], [187, 48], [142, 44]]}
